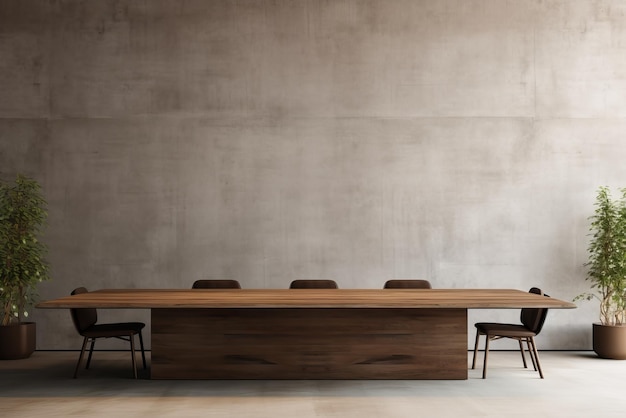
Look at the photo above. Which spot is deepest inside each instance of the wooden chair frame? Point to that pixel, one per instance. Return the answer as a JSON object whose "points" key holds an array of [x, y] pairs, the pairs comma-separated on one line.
{"points": [[532, 320], [85, 321]]}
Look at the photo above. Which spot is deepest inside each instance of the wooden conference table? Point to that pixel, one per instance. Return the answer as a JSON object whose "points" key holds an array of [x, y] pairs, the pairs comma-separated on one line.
{"points": [[308, 333]]}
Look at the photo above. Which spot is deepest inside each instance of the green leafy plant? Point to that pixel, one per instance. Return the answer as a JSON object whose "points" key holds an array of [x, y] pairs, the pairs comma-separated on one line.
{"points": [[22, 265], [607, 257]]}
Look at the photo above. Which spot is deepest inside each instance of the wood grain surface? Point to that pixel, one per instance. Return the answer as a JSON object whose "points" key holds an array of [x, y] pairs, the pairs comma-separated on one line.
{"points": [[307, 298], [292, 343]]}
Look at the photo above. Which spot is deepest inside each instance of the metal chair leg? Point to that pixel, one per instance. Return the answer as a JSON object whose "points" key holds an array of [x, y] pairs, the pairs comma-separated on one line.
{"points": [[80, 358]]}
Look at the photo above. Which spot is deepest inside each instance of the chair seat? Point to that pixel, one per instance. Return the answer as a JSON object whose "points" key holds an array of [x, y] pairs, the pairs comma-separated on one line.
{"points": [[504, 330], [113, 330]]}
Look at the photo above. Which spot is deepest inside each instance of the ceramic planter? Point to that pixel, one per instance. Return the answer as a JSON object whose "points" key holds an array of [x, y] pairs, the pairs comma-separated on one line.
{"points": [[609, 341], [17, 341]]}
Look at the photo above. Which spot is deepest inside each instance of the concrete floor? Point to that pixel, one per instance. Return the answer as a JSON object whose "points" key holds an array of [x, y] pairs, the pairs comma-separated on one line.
{"points": [[577, 384]]}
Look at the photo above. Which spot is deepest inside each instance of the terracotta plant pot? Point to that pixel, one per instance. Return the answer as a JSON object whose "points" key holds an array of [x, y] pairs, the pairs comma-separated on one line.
{"points": [[609, 341], [17, 341]]}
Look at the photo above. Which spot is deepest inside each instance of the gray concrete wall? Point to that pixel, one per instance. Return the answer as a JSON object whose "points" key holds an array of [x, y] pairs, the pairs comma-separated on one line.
{"points": [[454, 140]]}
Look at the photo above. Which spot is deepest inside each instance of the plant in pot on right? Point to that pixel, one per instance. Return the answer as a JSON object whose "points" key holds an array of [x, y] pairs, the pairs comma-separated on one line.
{"points": [[607, 273]]}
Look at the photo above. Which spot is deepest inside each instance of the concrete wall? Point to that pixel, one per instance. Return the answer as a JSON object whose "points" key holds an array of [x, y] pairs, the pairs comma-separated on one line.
{"points": [[460, 141]]}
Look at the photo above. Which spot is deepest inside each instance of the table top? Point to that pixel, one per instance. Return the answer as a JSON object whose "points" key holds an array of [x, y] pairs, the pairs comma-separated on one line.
{"points": [[307, 298]]}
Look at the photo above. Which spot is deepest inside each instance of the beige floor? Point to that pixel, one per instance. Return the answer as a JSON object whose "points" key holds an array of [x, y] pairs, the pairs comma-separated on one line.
{"points": [[577, 384]]}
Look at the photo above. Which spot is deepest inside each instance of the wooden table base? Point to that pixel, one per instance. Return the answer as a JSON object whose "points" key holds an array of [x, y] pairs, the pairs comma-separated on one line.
{"points": [[309, 343]]}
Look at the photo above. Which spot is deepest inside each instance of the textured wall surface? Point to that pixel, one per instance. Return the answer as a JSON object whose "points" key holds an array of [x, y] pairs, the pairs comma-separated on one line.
{"points": [[460, 141]]}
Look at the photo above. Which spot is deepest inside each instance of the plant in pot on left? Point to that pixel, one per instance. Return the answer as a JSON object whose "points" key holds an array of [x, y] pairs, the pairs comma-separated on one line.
{"points": [[22, 263]]}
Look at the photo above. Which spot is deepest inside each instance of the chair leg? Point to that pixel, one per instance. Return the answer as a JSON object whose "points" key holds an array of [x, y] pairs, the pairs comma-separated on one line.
{"points": [[521, 349], [532, 343], [486, 353], [532, 354], [143, 354], [93, 342], [475, 349], [132, 351], [80, 358]]}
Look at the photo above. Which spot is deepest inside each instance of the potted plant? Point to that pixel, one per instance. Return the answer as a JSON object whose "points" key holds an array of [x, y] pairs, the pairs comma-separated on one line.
{"points": [[607, 273], [22, 264]]}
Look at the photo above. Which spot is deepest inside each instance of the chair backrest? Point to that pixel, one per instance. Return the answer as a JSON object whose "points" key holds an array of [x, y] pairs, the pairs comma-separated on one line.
{"points": [[407, 284], [534, 318], [313, 284], [216, 284], [83, 318]]}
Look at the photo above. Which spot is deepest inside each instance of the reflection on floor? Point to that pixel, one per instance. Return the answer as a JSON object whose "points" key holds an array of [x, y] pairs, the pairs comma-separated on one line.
{"points": [[577, 384]]}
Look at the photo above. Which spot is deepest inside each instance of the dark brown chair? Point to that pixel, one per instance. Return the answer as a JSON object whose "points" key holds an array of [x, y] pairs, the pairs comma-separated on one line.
{"points": [[85, 322], [532, 322], [407, 284], [313, 284], [216, 284]]}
